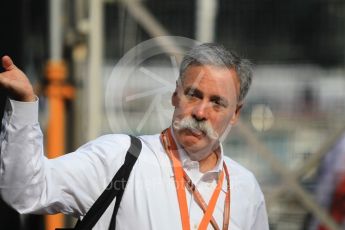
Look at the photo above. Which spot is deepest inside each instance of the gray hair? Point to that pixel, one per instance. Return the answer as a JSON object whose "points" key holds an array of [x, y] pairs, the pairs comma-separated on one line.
{"points": [[216, 55]]}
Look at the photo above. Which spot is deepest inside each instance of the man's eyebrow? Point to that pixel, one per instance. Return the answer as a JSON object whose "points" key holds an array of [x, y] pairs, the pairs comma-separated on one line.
{"points": [[191, 89]]}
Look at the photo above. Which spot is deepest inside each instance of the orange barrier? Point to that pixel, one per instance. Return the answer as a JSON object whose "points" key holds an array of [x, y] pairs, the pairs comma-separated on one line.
{"points": [[57, 92]]}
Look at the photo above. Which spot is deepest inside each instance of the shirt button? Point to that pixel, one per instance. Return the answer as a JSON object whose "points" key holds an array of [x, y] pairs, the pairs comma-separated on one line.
{"points": [[195, 226]]}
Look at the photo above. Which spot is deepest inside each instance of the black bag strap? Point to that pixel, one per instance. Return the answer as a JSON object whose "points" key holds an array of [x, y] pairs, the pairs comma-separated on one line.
{"points": [[134, 151], [112, 190]]}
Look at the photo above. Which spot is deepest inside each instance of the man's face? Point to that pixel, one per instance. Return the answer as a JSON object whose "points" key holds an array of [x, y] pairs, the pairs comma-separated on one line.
{"points": [[206, 94]]}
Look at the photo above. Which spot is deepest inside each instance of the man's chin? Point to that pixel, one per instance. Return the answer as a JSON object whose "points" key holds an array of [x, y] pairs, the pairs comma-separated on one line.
{"points": [[194, 141], [198, 150]]}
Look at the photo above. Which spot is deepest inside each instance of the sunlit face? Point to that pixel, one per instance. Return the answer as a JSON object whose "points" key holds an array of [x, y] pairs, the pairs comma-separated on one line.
{"points": [[206, 94]]}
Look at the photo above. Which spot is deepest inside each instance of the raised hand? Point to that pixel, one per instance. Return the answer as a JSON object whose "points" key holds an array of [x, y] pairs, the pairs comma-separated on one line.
{"points": [[15, 82]]}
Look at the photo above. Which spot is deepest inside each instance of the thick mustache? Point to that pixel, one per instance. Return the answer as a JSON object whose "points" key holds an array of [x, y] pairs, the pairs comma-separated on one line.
{"points": [[191, 123]]}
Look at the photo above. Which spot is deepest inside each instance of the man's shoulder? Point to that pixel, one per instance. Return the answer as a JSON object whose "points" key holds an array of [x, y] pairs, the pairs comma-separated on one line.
{"points": [[123, 141], [152, 143], [108, 146], [243, 178], [238, 170], [120, 140], [150, 137], [125, 137]]}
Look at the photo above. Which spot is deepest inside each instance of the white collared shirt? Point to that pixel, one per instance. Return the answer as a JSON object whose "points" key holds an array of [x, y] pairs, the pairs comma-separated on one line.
{"points": [[70, 184]]}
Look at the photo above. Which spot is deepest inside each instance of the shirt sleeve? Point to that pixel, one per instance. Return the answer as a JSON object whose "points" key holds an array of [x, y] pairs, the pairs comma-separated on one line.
{"points": [[261, 219], [70, 184]]}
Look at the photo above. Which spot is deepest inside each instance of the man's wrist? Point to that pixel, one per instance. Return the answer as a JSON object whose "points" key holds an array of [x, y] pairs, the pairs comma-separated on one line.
{"points": [[30, 98]]}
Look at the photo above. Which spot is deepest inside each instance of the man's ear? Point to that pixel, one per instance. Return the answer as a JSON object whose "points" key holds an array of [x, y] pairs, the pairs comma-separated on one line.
{"points": [[236, 114], [174, 97]]}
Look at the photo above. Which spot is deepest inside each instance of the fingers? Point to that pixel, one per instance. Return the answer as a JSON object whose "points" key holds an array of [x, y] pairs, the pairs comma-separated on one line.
{"points": [[7, 63]]}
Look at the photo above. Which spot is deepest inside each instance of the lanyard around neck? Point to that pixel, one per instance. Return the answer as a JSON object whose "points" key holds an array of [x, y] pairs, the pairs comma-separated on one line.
{"points": [[181, 179]]}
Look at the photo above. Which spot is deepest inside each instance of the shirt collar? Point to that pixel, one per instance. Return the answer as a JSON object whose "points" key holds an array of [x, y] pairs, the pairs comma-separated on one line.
{"points": [[187, 162]]}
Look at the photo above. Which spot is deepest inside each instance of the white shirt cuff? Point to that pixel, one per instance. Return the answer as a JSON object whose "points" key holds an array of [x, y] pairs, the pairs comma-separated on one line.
{"points": [[24, 113]]}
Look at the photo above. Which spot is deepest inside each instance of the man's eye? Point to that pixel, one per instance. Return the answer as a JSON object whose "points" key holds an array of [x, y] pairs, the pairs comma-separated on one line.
{"points": [[218, 104], [190, 94]]}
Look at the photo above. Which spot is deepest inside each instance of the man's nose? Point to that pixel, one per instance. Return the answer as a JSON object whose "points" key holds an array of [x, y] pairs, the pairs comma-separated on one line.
{"points": [[200, 111]]}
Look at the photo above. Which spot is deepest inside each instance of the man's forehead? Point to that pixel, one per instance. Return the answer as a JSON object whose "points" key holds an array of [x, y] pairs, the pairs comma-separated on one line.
{"points": [[221, 76], [209, 70], [219, 81]]}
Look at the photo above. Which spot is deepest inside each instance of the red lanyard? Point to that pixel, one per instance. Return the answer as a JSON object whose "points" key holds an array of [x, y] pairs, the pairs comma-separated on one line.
{"points": [[182, 180]]}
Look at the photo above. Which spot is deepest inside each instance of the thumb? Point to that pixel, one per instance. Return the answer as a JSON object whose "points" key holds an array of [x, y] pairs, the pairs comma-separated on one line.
{"points": [[7, 63]]}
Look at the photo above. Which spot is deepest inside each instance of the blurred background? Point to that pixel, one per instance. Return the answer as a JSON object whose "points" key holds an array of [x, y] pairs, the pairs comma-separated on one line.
{"points": [[292, 128]]}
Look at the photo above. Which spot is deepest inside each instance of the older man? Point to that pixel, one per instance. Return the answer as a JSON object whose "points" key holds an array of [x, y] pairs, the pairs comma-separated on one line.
{"points": [[181, 180]]}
